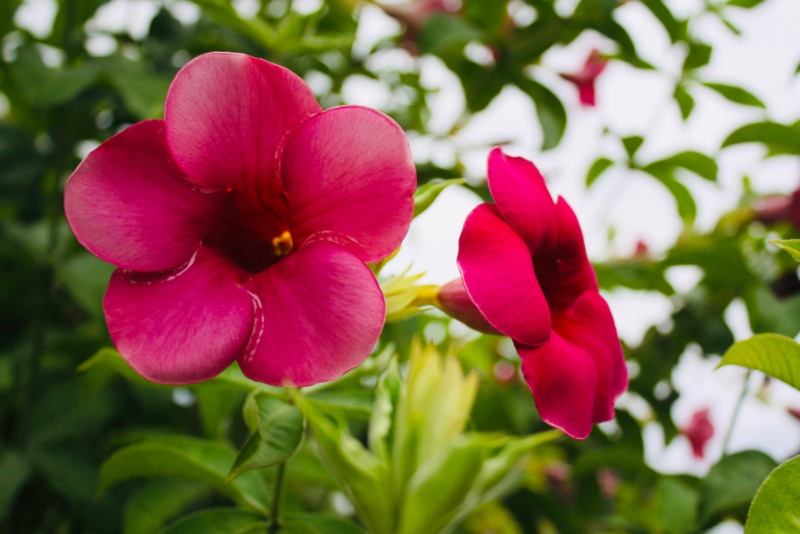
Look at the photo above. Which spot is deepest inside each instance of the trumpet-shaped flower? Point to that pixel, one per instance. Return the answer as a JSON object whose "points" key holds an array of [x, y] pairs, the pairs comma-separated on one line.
{"points": [[525, 271], [240, 225]]}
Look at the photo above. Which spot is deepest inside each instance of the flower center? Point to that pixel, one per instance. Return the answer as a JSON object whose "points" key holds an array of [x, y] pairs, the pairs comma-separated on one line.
{"points": [[282, 244]]}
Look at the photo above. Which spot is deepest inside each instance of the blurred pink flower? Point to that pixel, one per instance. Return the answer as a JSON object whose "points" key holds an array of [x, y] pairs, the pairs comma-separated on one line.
{"points": [[585, 78], [414, 14], [525, 271], [699, 431], [779, 208], [240, 225]]}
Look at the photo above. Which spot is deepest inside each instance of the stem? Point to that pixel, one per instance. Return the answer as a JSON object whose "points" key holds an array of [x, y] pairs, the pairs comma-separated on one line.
{"points": [[735, 415], [427, 296], [275, 507]]}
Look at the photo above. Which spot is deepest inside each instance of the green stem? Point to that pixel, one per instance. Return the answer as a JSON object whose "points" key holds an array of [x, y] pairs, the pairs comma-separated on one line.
{"points": [[735, 415], [275, 507]]}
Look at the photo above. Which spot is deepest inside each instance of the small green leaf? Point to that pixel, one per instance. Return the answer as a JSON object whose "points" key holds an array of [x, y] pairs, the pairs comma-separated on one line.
{"points": [[685, 101], [427, 193], [775, 355], [632, 144], [598, 167], [747, 4], [792, 246], [736, 94], [158, 501], [698, 56], [277, 431], [700, 164], [317, 523], [218, 521], [775, 508], [674, 28], [781, 139], [551, 112], [731, 484]]}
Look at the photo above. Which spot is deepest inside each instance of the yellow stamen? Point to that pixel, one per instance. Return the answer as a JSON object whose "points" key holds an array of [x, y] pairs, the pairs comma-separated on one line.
{"points": [[282, 245]]}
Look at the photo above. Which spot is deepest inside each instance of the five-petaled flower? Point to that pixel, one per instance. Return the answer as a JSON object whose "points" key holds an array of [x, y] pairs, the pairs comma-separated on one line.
{"points": [[525, 274], [585, 78], [240, 225]]}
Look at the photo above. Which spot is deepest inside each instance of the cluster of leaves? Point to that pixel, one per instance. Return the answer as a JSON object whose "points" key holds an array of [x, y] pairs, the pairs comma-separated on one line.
{"points": [[104, 451]]}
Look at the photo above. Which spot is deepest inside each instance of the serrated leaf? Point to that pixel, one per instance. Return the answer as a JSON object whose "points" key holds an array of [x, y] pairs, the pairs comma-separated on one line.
{"points": [[731, 484], [427, 193], [599, 166], [700, 164], [218, 521], [277, 432], [735, 94], [775, 355], [774, 508], [186, 458], [781, 139], [685, 101], [632, 144], [792, 246]]}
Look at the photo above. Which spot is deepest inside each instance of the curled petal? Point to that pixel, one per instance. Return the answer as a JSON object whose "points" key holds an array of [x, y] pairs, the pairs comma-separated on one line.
{"points": [[350, 178], [499, 276], [182, 326], [320, 314], [127, 204], [522, 197], [227, 114]]}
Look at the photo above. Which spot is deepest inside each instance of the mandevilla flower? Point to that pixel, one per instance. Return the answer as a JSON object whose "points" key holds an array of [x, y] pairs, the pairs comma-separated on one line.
{"points": [[240, 225], [525, 272]]}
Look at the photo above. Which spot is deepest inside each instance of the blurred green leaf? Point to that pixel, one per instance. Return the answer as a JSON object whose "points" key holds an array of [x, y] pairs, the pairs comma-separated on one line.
{"points": [[736, 94], [774, 508], [659, 9], [155, 503], [320, 524], [186, 458], [685, 101], [549, 109], [700, 164], [427, 193], [598, 167], [792, 246], [779, 138], [632, 144], [775, 355], [687, 208], [218, 521], [42, 86], [277, 431], [255, 28], [731, 484], [677, 505], [443, 33], [14, 472], [86, 278], [699, 55], [745, 3]]}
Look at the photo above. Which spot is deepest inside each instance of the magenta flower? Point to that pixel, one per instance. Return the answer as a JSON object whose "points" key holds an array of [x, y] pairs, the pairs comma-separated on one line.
{"points": [[240, 225], [524, 268], [585, 78], [699, 431]]}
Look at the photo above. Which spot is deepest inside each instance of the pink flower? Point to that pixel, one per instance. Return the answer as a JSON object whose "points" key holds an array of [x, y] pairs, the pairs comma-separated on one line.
{"points": [[585, 78], [699, 432], [524, 268], [240, 225]]}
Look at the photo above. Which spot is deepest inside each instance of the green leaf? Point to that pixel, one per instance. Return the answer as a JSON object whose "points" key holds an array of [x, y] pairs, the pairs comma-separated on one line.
{"points": [[186, 458], [698, 56], [685, 101], [218, 521], [549, 109], [687, 209], [700, 164], [781, 139], [427, 193], [14, 472], [43, 86], [736, 94], [441, 33], [598, 167], [674, 28], [155, 503], [792, 246], [86, 279], [317, 523], [731, 484], [775, 355], [775, 508], [677, 505], [277, 431], [747, 4], [632, 144]]}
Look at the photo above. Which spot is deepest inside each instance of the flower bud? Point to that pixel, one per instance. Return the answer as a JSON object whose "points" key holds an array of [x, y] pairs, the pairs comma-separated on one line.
{"points": [[455, 302]]}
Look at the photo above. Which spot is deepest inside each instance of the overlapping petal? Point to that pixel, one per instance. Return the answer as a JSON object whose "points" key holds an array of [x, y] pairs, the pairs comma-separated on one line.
{"points": [[227, 114], [521, 195], [127, 204], [348, 172], [498, 273], [320, 314], [182, 326]]}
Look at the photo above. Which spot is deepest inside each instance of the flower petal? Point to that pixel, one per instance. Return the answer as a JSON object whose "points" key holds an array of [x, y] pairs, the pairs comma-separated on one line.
{"points": [[565, 272], [350, 178], [226, 115], [126, 202], [321, 312], [522, 197], [578, 374], [182, 326], [498, 273]]}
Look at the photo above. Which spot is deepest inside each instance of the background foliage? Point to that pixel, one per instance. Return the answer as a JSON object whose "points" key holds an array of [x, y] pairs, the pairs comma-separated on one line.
{"points": [[100, 450]]}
